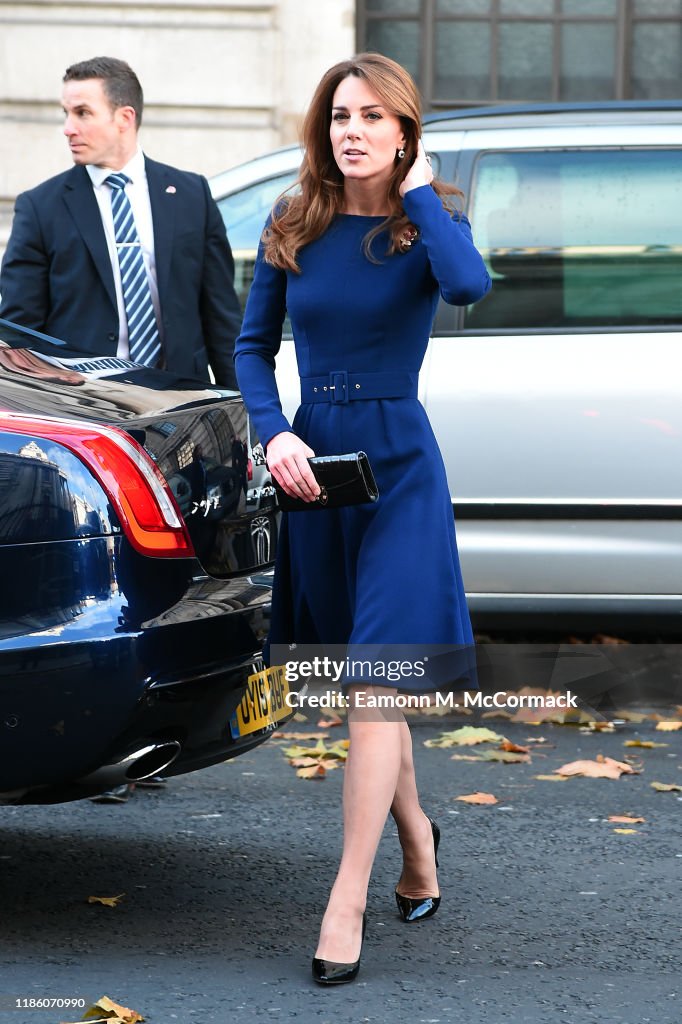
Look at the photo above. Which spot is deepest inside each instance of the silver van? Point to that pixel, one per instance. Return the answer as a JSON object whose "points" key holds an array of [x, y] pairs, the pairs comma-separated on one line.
{"points": [[557, 400]]}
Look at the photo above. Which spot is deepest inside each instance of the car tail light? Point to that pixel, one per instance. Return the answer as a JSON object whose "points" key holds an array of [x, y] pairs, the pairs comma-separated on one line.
{"points": [[145, 505]]}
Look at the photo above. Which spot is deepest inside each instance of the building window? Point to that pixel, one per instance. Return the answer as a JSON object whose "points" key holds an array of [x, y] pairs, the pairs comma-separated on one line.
{"points": [[465, 52]]}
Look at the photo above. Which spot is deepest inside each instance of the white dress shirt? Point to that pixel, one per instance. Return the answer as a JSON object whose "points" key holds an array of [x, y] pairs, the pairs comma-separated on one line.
{"points": [[137, 191]]}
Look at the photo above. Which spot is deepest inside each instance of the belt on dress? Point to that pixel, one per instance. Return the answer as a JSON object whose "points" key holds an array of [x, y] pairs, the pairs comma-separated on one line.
{"points": [[339, 387]]}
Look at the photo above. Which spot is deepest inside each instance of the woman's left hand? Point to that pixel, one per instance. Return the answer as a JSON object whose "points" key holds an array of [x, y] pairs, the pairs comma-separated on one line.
{"points": [[420, 173]]}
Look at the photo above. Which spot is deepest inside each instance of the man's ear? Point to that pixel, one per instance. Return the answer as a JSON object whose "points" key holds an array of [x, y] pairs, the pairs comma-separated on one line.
{"points": [[125, 118]]}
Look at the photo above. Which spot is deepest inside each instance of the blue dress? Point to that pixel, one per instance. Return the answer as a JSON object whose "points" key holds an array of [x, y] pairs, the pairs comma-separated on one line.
{"points": [[385, 573]]}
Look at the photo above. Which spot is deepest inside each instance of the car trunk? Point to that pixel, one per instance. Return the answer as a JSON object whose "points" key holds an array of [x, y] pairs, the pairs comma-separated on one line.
{"points": [[196, 435]]}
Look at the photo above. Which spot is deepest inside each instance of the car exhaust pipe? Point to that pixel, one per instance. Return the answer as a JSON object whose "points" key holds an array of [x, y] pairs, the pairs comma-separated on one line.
{"points": [[134, 767]]}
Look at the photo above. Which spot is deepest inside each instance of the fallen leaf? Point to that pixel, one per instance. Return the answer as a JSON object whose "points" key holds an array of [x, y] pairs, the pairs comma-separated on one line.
{"points": [[625, 819], [514, 747], [552, 778], [466, 736], [604, 638], [298, 750], [626, 831], [313, 771], [649, 744], [547, 709], [465, 757], [600, 727], [98, 1020], [507, 756], [299, 717], [601, 768], [631, 716], [327, 723], [319, 750], [572, 716], [536, 739], [478, 798], [106, 901], [313, 762], [666, 787], [113, 1013], [668, 726], [500, 713], [341, 745]]}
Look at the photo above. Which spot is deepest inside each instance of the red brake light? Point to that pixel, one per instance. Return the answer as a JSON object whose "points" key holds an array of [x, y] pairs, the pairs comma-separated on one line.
{"points": [[143, 501]]}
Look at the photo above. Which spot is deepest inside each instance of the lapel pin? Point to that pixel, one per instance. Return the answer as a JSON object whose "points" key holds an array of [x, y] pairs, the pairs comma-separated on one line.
{"points": [[171, 190]]}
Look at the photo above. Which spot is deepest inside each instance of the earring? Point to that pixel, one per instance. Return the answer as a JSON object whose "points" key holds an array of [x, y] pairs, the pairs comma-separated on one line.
{"points": [[401, 153]]}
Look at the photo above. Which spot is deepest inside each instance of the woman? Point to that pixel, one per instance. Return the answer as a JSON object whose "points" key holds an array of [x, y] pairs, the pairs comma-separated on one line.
{"points": [[358, 259]]}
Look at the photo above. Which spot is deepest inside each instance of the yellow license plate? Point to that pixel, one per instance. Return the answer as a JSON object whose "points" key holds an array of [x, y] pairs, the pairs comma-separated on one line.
{"points": [[264, 703]]}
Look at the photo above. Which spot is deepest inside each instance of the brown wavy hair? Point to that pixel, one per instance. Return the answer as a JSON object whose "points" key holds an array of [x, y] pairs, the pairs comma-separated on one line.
{"points": [[301, 218]]}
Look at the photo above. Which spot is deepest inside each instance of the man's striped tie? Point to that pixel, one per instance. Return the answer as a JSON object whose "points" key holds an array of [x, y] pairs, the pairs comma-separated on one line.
{"points": [[143, 332]]}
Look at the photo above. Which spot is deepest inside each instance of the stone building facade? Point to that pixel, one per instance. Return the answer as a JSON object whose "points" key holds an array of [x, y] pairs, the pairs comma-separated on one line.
{"points": [[224, 80]]}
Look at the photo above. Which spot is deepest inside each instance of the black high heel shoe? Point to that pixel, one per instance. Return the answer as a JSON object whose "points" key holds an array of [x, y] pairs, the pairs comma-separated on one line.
{"points": [[330, 972], [417, 910]]}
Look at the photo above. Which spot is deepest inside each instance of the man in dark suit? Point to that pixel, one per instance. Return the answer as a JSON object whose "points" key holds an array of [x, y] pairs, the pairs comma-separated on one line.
{"points": [[122, 255]]}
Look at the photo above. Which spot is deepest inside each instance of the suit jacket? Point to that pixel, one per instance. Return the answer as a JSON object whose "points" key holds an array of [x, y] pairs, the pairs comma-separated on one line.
{"points": [[57, 276]]}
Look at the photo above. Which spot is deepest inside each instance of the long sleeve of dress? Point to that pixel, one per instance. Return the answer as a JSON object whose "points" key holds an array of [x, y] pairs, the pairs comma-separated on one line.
{"points": [[456, 264], [257, 346]]}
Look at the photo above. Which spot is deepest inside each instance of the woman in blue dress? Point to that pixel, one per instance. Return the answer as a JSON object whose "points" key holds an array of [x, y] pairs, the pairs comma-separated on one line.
{"points": [[359, 259]]}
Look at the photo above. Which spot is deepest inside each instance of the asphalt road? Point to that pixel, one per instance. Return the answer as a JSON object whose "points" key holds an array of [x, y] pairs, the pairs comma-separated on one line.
{"points": [[548, 914]]}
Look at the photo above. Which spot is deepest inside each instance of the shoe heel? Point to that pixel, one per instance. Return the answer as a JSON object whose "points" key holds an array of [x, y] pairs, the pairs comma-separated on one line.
{"points": [[436, 839], [417, 910]]}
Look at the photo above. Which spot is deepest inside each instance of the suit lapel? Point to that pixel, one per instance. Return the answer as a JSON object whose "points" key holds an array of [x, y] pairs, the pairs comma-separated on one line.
{"points": [[79, 197], [163, 200]]}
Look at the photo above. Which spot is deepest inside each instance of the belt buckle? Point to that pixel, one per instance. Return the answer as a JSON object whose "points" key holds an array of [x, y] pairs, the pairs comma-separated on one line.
{"points": [[338, 387]]}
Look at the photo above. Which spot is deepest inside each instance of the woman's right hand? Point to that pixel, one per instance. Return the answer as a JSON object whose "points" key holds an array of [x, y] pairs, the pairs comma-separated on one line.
{"points": [[287, 459]]}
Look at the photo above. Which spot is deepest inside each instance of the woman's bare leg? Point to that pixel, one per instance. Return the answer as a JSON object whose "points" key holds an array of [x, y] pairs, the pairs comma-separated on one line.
{"points": [[369, 786], [418, 878]]}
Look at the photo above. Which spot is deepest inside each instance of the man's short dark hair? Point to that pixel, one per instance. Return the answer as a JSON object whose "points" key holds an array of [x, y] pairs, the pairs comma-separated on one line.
{"points": [[120, 83]]}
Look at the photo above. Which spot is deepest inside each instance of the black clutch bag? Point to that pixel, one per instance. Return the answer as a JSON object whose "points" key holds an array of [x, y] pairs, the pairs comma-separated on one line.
{"points": [[343, 479]]}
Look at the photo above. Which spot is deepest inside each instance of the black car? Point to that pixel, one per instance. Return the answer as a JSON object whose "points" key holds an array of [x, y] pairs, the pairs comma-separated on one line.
{"points": [[137, 531]]}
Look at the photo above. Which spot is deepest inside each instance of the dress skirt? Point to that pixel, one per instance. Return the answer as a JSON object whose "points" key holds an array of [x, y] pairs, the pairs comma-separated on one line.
{"points": [[383, 576]]}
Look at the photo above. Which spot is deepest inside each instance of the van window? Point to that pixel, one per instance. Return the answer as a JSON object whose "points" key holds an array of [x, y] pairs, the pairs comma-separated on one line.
{"points": [[579, 238]]}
